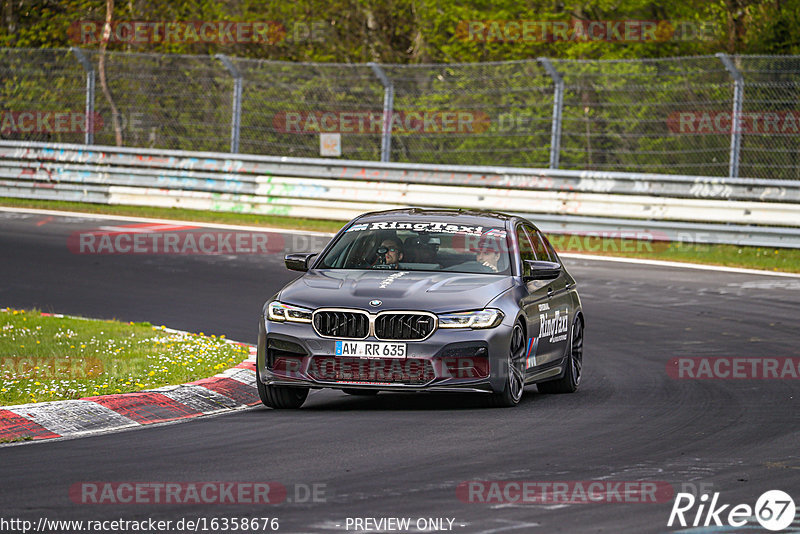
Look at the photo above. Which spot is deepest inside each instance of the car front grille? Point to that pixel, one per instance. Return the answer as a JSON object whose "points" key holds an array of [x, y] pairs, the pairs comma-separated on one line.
{"points": [[386, 326], [403, 326], [344, 324]]}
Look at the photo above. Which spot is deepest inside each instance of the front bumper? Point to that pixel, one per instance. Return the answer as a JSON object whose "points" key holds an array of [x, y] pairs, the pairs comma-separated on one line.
{"points": [[292, 354]]}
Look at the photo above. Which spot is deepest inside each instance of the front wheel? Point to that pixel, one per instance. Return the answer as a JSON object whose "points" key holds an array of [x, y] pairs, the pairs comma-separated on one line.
{"points": [[280, 397], [515, 372], [574, 365]]}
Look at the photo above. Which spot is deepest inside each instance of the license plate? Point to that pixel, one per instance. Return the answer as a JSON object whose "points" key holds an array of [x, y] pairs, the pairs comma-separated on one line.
{"points": [[371, 349]]}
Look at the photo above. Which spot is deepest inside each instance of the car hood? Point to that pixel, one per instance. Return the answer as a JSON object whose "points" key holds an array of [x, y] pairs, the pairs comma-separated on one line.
{"points": [[397, 290]]}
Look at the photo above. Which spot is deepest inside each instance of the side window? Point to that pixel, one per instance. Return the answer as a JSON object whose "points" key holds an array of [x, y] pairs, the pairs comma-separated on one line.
{"points": [[550, 250], [538, 246], [526, 249]]}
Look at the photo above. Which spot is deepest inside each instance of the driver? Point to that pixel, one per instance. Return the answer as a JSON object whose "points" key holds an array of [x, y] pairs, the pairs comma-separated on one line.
{"points": [[394, 252]]}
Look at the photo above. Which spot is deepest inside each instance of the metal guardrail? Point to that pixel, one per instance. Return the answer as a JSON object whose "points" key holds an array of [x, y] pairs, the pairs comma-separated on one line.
{"points": [[678, 208]]}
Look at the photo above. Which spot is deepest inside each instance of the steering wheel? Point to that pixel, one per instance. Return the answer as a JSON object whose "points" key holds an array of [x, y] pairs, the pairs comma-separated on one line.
{"points": [[381, 257]]}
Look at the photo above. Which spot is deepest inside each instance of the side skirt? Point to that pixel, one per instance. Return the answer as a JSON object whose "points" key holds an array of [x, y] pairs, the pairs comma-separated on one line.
{"points": [[542, 375]]}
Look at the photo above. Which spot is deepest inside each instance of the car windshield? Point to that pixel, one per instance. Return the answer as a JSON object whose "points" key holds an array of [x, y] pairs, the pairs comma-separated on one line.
{"points": [[420, 246]]}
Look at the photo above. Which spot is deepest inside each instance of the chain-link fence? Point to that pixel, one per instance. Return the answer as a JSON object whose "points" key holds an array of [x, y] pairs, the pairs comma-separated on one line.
{"points": [[675, 115]]}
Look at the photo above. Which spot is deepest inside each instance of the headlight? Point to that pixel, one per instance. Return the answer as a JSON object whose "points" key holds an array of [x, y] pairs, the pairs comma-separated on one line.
{"points": [[488, 318], [280, 312]]}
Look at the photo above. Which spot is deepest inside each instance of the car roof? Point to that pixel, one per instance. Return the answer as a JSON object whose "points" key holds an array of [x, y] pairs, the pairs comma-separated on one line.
{"points": [[460, 216]]}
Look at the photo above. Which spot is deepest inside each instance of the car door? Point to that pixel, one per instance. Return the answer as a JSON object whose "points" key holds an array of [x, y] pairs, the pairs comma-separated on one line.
{"points": [[555, 320]]}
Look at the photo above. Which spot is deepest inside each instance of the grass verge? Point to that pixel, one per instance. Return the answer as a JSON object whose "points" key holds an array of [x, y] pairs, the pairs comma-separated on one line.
{"points": [[16, 440], [46, 358], [762, 258], [271, 221], [769, 259]]}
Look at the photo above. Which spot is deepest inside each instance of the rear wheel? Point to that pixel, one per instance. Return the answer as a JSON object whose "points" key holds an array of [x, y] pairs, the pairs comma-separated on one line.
{"points": [[515, 372], [574, 365], [280, 397], [361, 392]]}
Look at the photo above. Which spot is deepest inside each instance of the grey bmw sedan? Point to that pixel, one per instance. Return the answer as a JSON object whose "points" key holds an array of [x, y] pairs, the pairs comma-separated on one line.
{"points": [[424, 300]]}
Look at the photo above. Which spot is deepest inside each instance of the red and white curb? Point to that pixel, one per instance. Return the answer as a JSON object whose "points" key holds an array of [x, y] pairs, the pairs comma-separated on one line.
{"points": [[233, 389]]}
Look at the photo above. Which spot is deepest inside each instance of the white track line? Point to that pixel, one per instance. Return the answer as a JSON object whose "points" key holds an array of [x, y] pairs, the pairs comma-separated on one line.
{"points": [[682, 265], [591, 257]]}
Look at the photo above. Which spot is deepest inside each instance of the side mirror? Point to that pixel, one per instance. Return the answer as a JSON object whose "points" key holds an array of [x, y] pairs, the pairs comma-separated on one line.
{"points": [[298, 261], [540, 270]]}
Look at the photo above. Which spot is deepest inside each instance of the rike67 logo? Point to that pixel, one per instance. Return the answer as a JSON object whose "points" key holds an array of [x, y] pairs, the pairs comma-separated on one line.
{"points": [[774, 510]]}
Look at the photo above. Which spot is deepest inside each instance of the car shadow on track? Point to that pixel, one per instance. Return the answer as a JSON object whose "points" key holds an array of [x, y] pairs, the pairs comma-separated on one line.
{"points": [[329, 400]]}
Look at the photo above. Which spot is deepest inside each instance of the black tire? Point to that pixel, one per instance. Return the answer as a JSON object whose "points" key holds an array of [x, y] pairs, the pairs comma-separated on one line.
{"points": [[361, 392], [280, 397], [515, 373], [573, 362]]}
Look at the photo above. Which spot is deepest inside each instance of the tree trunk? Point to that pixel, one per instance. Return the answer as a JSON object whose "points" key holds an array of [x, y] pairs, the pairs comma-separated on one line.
{"points": [[8, 17], [736, 19], [101, 67]]}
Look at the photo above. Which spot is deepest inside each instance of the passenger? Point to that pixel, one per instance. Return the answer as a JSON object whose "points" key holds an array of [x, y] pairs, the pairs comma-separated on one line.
{"points": [[489, 252], [488, 258]]}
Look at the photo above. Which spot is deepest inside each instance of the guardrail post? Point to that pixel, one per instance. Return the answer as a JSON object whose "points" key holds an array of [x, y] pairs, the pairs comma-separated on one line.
{"points": [[558, 105], [236, 113], [736, 120], [88, 137], [388, 106]]}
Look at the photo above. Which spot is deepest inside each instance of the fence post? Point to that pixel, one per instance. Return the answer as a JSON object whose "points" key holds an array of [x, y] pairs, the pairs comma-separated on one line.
{"points": [[88, 137], [236, 114], [736, 120], [558, 105], [388, 106]]}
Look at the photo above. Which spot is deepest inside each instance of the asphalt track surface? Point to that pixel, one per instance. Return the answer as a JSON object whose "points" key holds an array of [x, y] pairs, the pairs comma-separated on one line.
{"points": [[403, 456]]}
